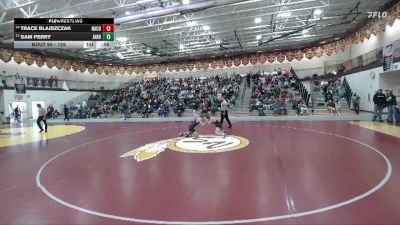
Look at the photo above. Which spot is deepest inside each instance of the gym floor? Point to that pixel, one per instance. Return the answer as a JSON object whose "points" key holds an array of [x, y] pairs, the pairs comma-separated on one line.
{"points": [[279, 172]]}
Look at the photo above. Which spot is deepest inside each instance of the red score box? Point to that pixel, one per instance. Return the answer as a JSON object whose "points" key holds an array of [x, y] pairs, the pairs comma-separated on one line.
{"points": [[108, 27]]}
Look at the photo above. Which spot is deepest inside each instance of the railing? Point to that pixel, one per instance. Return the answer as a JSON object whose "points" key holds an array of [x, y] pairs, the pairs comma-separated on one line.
{"points": [[302, 89], [365, 61], [41, 83], [348, 93], [243, 92], [312, 96]]}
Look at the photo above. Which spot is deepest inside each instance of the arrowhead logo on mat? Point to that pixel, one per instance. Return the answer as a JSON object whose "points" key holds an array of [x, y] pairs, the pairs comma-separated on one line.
{"points": [[201, 144]]}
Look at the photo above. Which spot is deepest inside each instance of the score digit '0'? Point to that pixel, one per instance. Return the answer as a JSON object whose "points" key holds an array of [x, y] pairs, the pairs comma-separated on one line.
{"points": [[108, 27]]}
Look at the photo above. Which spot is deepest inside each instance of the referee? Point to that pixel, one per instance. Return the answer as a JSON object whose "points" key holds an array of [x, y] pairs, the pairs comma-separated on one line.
{"points": [[224, 112]]}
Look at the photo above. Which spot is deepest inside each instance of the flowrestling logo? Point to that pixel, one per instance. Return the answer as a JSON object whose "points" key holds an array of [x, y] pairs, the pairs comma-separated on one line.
{"points": [[201, 144], [379, 15]]}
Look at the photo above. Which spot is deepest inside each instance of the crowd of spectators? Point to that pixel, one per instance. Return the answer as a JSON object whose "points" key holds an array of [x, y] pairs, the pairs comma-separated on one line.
{"points": [[333, 90], [42, 83], [163, 96], [273, 91]]}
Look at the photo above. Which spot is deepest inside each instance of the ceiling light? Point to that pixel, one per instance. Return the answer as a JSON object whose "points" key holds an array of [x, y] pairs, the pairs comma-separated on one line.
{"points": [[191, 23], [71, 16], [336, 39], [122, 39], [120, 55], [258, 37], [148, 50], [305, 32], [181, 46], [185, 2], [322, 42], [284, 14], [218, 42], [257, 20], [317, 12], [143, 1], [127, 13], [206, 27]]}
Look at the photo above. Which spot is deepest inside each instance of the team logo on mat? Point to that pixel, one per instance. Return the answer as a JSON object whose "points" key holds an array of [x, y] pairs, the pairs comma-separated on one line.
{"points": [[201, 144]]}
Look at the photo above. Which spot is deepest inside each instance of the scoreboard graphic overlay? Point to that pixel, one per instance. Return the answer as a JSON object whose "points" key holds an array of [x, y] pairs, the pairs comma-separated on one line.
{"points": [[39, 33]]}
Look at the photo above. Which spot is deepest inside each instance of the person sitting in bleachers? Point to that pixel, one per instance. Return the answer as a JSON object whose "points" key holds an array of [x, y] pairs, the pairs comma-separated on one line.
{"points": [[301, 108], [280, 106], [328, 96]]}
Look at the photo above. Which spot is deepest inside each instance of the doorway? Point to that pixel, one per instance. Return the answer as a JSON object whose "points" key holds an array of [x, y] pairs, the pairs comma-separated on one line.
{"points": [[22, 108], [35, 112]]}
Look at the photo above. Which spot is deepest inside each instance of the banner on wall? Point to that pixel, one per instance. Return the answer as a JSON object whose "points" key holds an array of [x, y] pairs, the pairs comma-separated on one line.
{"points": [[388, 57], [64, 86], [20, 84]]}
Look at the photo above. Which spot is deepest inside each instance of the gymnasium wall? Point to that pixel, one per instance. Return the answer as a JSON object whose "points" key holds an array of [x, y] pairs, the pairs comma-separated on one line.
{"points": [[365, 85], [57, 98], [362, 84], [308, 67], [390, 81], [23, 69], [390, 35], [2, 111]]}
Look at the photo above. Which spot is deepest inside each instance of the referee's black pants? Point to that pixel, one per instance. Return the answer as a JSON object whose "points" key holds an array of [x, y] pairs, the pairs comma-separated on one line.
{"points": [[225, 115], [40, 119], [66, 117]]}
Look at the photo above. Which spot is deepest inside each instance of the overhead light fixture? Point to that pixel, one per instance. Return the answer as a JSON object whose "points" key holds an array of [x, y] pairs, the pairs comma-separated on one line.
{"points": [[191, 23], [143, 1], [258, 37], [284, 14], [185, 2], [257, 20], [71, 16], [122, 39], [127, 13], [322, 42], [120, 55], [148, 50], [206, 27], [181, 46], [317, 13], [305, 32], [336, 38], [217, 42]]}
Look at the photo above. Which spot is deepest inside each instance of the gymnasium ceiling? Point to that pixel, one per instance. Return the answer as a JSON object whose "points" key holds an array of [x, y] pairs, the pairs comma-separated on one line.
{"points": [[154, 31]]}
